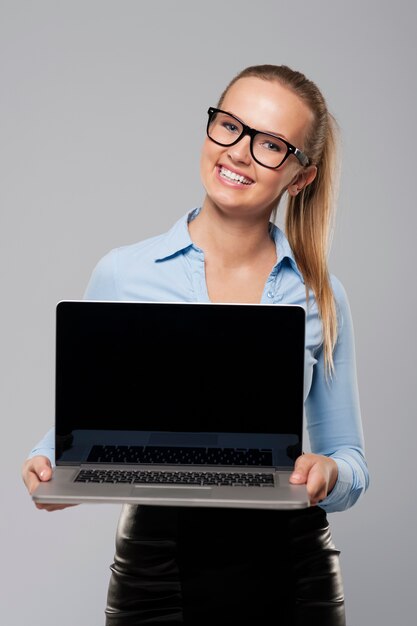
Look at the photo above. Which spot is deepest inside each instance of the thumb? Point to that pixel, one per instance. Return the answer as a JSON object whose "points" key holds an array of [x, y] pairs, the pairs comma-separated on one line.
{"points": [[301, 469], [35, 470], [42, 467]]}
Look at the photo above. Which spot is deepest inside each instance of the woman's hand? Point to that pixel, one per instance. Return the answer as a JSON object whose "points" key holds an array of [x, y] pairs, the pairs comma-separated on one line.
{"points": [[318, 473], [35, 470]]}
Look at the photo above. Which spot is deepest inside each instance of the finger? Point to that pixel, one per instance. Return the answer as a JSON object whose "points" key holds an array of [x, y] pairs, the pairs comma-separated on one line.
{"points": [[36, 470], [302, 469], [316, 484], [53, 507], [31, 479], [42, 467]]}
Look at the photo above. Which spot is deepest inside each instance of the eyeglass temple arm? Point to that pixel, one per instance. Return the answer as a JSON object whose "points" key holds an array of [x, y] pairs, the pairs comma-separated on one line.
{"points": [[304, 160]]}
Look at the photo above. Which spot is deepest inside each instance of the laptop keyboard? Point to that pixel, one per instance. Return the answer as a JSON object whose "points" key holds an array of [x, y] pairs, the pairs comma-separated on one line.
{"points": [[135, 477], [176, 455]]}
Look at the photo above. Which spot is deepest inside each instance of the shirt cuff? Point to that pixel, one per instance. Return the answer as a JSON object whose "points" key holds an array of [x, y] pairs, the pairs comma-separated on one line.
{"points": [[338, 498]]}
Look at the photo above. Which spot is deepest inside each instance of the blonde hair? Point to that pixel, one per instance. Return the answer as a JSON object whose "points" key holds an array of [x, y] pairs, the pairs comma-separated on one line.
{"points": [[309, 215]]}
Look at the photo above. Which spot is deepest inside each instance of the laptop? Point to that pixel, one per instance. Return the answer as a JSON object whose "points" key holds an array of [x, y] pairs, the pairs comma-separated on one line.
{"points": [[178, 404]]}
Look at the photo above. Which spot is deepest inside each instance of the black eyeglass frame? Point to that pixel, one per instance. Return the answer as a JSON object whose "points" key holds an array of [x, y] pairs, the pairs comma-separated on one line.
{"points": [[252, 132]]}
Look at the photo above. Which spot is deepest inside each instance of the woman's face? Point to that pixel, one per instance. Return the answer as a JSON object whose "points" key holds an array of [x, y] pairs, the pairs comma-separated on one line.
{"points": [[269, 107]]}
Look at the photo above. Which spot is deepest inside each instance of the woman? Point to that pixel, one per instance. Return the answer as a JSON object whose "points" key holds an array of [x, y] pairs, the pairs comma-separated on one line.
{"points": [[211, 566]]}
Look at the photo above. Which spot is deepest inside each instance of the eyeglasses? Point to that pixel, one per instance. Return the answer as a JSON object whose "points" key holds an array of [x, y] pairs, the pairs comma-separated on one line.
{"points": [[268, 150]]}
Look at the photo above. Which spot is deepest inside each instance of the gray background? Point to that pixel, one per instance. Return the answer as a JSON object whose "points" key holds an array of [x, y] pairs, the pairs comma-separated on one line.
{"points": [[103, 110]]}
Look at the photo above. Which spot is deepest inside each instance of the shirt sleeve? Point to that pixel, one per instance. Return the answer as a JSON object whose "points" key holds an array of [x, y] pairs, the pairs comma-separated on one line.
{"points": [[45, 447], [334, 416], [101, 286]]}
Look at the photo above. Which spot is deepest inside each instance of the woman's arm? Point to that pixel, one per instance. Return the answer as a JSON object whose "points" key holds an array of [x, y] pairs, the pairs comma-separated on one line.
{"points": [[334, 417]]}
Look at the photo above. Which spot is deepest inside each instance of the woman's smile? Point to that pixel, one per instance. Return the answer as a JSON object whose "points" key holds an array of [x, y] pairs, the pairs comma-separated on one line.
{"points": [[233, 177]]}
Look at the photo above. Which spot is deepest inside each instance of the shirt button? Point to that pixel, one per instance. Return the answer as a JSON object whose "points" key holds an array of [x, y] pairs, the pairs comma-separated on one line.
{"points": [[270, 294]]}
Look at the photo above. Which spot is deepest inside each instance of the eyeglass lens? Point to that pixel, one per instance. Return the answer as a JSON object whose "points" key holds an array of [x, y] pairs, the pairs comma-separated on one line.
{"points": [[226, 129]]}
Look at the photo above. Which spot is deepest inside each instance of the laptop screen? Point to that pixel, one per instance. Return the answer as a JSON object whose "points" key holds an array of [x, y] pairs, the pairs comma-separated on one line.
{"points": [[138, 373]]}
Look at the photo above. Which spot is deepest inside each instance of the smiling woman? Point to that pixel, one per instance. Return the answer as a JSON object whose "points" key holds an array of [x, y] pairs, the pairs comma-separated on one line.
{"points": [[270, 136], [235, 146]]}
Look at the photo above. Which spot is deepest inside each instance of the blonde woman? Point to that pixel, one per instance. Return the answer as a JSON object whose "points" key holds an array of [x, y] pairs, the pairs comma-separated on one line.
{"points": [[269, 137]]}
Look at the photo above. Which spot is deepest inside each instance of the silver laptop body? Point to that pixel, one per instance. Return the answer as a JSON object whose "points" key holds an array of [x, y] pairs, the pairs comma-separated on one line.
{"points": [[185, 404]]}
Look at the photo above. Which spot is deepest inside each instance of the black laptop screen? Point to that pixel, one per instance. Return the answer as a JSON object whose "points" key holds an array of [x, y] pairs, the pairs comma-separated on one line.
{"points": [[177, 367]]}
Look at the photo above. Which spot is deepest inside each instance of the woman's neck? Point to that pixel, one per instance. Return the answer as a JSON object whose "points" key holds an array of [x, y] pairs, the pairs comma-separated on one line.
{"points": [[234, 240]]}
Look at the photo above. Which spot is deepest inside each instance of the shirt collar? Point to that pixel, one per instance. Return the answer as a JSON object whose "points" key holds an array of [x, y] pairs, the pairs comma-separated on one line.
{"points": [[178, 239], [284, 250]]}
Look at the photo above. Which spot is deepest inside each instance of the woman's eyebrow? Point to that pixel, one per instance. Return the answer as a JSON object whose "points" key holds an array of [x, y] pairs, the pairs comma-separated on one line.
{"points": [[266, 132]]}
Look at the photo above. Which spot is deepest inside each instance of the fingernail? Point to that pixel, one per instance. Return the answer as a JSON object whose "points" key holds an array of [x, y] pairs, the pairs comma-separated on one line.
{"points": [[43, 473], [296, 477]]}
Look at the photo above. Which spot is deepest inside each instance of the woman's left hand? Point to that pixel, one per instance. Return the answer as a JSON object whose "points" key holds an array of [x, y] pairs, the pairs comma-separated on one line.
{"points": [[318, 472]]}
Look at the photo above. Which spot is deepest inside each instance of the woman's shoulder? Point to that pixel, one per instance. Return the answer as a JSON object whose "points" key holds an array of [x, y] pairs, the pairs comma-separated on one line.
{"points": [[341, 297], [123, 256], [338, 288], [339, 291], [152, 247], [135, 263]]}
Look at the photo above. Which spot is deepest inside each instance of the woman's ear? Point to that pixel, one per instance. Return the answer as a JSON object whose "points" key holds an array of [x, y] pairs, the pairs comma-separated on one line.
{"points": [[303, 178]]}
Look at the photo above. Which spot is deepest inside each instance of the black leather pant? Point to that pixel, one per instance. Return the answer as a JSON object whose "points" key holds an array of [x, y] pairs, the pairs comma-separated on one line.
{"points": [[201, 566]]}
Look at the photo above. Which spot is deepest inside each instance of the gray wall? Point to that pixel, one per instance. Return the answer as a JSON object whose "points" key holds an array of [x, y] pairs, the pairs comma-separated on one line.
{"points": [[87, 88]]}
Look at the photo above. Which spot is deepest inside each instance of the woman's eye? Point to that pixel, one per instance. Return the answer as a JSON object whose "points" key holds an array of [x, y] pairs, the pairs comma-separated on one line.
{"points": [[230, 127], [273, 147]]}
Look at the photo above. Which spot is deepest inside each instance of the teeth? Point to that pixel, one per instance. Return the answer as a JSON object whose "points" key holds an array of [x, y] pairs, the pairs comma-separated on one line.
{"points": [[233, 176]]}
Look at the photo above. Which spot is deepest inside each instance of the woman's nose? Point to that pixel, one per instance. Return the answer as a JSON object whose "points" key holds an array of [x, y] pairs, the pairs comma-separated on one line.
{"points": [[240, 152]]}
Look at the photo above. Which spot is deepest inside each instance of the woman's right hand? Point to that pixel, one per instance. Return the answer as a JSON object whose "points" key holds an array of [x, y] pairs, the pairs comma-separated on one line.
{"points": [[35, 470]]}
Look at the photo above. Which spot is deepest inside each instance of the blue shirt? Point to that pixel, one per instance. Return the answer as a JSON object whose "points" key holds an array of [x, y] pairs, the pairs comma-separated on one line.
{"points": [[171, 267]]}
